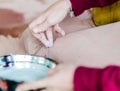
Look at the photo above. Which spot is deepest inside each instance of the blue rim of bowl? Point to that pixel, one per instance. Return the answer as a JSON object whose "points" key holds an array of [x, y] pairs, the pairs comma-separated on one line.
{"points": [[20, 60]]}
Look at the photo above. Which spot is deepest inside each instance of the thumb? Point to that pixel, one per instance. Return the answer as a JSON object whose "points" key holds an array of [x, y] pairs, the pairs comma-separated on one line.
{"points": [[33, 85]]}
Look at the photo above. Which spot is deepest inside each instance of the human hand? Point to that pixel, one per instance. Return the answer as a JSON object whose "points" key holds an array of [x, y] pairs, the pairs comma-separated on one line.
{"points": [[42, 27], [59, 79]]}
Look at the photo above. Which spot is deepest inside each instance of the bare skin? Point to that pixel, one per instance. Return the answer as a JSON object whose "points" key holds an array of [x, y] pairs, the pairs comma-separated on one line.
{"points": [[96, 47], [93, 47], [54, 81], [17, 45]]}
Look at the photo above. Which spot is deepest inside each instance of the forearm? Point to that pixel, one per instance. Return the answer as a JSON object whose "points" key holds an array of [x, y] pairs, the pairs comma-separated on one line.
{"points": [[97, 47], [79, 6], [94, 79]]}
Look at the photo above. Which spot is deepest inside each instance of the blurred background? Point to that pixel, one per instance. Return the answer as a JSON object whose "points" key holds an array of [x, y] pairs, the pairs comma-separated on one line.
{"points": [[15, 15]]}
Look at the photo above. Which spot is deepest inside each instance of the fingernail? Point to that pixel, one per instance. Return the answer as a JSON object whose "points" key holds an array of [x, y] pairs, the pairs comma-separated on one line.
{"points": [[35, 30]]}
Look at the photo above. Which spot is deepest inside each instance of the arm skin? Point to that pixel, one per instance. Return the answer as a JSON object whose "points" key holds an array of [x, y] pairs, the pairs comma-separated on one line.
{"points": [[79, 6], [94, 79], [95, 47]]}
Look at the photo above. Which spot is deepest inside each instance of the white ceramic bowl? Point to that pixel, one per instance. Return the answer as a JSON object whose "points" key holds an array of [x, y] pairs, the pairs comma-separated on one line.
{"points": [[24, 68]]}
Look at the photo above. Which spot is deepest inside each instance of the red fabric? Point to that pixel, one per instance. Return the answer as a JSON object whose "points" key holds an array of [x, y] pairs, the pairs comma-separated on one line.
{"points": [[93, 79], [79, 6]]}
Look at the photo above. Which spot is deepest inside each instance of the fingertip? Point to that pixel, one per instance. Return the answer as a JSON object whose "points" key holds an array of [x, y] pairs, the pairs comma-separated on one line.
{"points": [[50, 44], [59, 29], [63, 33]]}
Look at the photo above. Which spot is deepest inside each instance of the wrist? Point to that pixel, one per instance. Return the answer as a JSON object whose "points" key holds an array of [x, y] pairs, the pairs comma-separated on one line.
{"points": [[69, 3], [70, 10]]}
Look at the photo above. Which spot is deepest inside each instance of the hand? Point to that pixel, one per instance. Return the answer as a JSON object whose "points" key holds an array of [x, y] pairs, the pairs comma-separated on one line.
{"points": [[59, 79], [42, 27]]}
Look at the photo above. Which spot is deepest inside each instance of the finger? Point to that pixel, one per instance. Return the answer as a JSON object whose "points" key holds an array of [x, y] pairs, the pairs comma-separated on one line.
{"points": [[44, 90], [51, 72], [49, 35], [38, 21], [59, 29], [41, 27], [34, 85], [54, 70], [53, 89], [42, 38]]}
